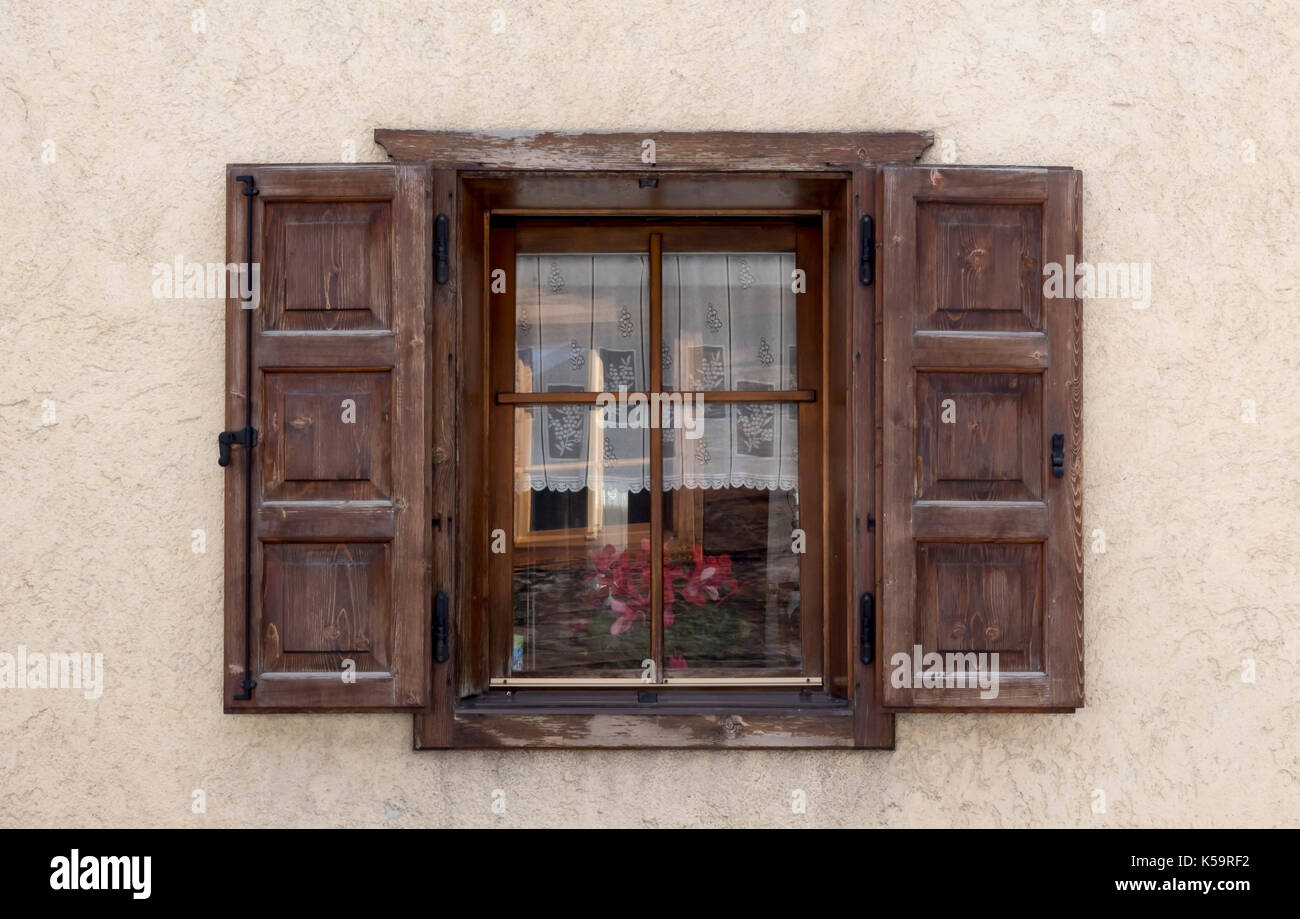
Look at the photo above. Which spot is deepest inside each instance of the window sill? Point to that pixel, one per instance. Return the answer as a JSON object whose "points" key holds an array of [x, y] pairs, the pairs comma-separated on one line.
{"points": [[544, 719]]}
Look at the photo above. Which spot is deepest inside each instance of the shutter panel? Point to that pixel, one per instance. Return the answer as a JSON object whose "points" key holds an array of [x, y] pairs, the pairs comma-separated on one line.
{"points": [[982, 544], [338, 556]]}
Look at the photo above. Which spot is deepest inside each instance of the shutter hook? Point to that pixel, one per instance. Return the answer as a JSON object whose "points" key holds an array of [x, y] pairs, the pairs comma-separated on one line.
{"points": [[1058, 456]]}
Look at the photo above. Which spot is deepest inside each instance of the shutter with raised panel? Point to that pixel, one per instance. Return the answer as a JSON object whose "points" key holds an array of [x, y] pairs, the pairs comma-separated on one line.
{"points": [[982, 497], [335, 554]]}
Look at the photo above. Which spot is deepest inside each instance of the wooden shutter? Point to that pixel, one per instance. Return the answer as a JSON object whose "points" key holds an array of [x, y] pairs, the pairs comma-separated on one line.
{"points": [[338, 557], [982, 544]]}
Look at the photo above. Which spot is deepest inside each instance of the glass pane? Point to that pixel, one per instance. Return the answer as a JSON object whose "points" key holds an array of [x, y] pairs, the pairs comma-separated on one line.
{"points": [[581, 595], [729, 322], [732, 575], [581, 322]]}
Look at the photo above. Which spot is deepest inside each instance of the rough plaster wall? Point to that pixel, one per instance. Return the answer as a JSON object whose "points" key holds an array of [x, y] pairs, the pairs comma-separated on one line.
{"points": [[1197, 507]]}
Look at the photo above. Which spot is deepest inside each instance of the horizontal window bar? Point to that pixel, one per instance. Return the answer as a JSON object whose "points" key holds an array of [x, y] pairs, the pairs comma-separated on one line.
{"points": [[589, 398], [588, 682]]}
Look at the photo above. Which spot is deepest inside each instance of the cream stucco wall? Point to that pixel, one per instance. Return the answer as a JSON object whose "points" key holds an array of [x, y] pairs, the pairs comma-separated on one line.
{"points": [[1198, 507]]}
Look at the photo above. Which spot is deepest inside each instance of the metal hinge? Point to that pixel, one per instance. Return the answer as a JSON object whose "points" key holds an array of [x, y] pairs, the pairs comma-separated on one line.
{"points": [[867, 629], [867, 254], [441, 248], [245, 437]]}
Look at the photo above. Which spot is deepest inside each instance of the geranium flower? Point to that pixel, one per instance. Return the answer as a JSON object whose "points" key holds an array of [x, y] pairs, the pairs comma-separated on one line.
{"points": [[602, 559], [627, 614], [622, 579], [711, 574]]}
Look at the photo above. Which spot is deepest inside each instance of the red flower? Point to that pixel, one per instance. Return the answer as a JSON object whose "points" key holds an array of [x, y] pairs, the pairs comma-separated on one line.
{"points": [[711, 574], [677, 662], [602, 559], [628, 613], [622, 579]]}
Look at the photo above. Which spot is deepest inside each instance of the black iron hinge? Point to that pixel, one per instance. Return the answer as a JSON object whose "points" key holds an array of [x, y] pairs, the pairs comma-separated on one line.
{"points": [[245, 437], [441, 629], [441, 248], [1058, 456], [867, 629], [867, 254]]}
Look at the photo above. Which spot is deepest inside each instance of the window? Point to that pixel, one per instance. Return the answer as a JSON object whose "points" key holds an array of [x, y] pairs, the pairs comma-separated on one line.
{"points": [[725, 441], [657, 538]]}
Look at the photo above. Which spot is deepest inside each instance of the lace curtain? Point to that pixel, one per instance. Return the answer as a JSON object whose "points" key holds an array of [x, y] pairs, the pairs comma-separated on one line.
{"points": [[728, 324]]}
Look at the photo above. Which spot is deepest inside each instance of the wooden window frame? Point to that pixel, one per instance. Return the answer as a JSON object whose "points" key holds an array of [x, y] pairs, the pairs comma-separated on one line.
{"points": [[657, 239], [711, 174]]}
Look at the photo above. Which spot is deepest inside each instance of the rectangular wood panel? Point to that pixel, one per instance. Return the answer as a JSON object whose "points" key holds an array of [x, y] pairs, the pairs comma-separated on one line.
{"points": [[327, 264], [326, 599], [979, 436]]}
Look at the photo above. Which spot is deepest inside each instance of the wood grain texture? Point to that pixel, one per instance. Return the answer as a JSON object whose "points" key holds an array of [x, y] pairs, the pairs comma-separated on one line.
{"points": [[674, 150], [340, 392], [442, 417], [967, 351], [873, 726], [990, 448], [699, 730], [541, 194], [812, 338], [982, 547]]}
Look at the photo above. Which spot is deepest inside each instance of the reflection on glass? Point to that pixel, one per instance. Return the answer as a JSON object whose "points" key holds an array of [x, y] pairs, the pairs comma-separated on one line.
{"points": [[581, 551], [731, 575], [581, 595], [581, 322]]}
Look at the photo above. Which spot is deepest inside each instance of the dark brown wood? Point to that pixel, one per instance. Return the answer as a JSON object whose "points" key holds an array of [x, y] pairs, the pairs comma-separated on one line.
{"points": [[501, 448], [673, 150], [873, 727], [967, 351], [982, 547], [470, 401], [236, 479], [584, 195], [306, 350], [688, 720], [614, 235], [313, 451], [812, 333], [1063, 231], [340, 395], [702, 730], [984, 518], [327, 520], [441, 420]]}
